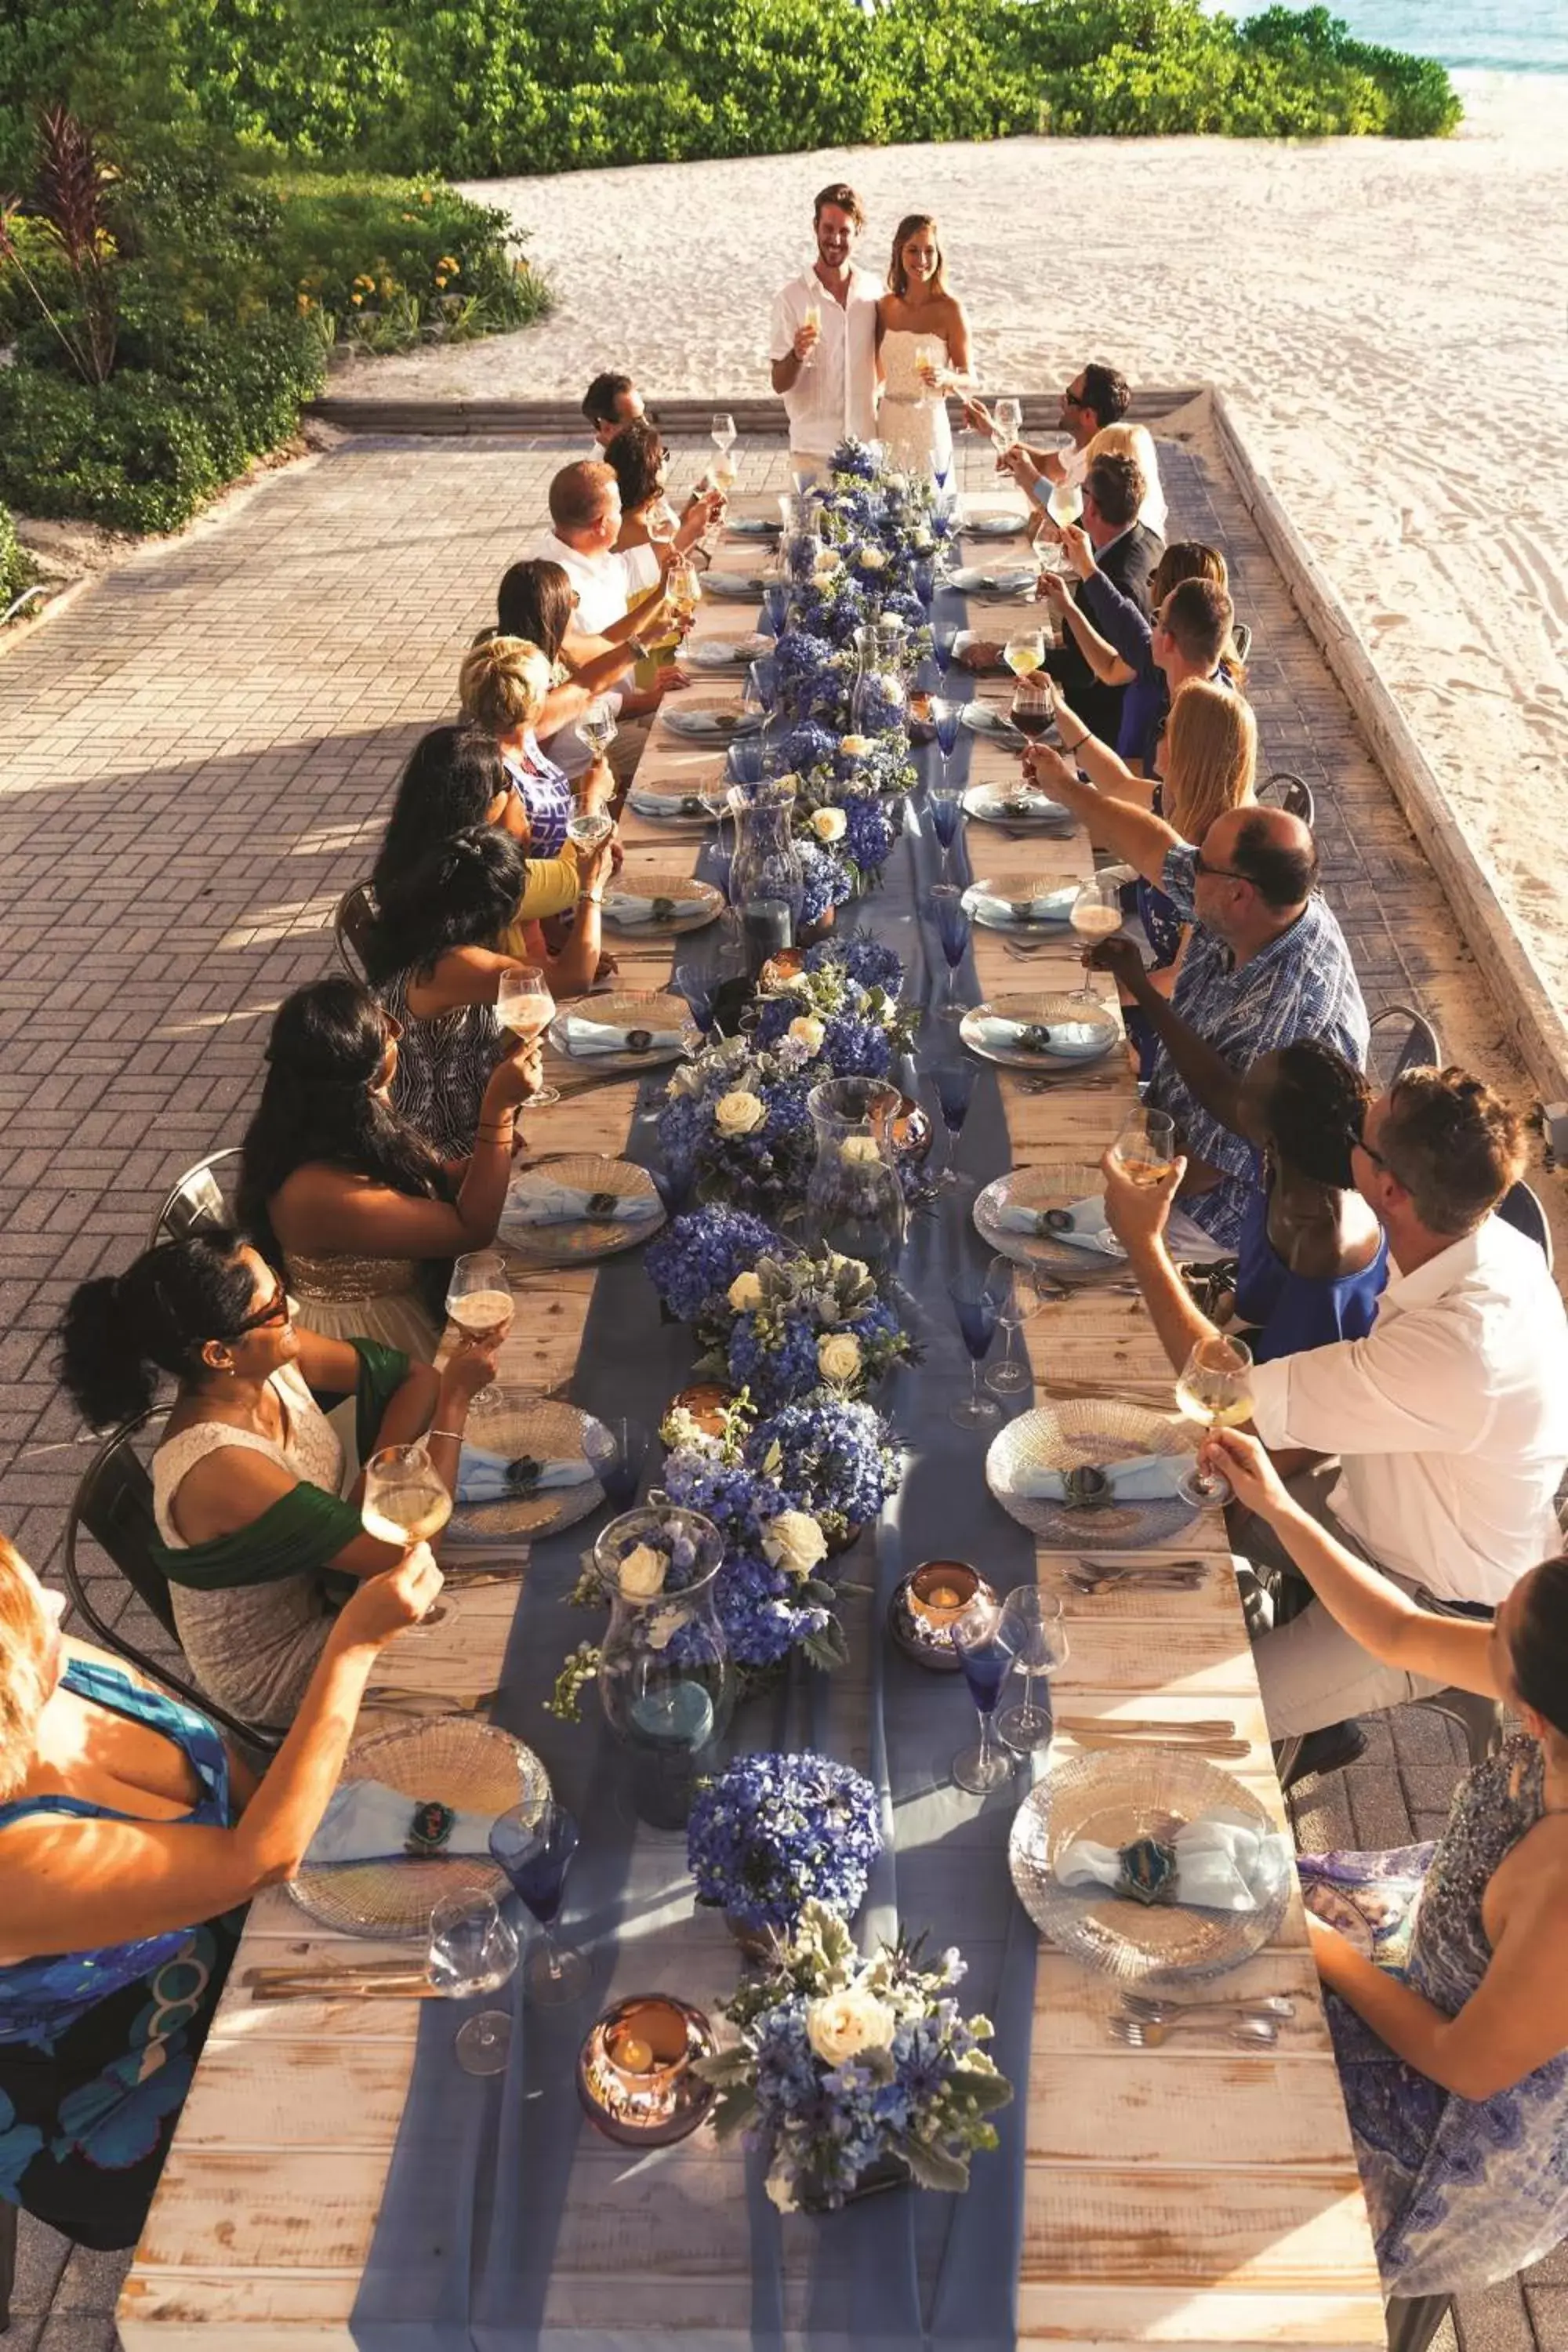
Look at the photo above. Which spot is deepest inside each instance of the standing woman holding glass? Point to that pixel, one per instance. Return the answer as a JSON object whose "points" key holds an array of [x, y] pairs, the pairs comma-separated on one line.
{"points": [[922, 350]]}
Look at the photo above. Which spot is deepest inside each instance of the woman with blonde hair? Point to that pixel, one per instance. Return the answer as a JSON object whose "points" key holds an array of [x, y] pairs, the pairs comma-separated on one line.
{"points": [[1134, 441], [130, 1839], [1116, 638], [915, 316], [502, 686]]}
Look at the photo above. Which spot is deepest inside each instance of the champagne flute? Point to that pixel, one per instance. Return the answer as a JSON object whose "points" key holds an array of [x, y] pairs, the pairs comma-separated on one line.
{"points": [[478, 1294], [951, 917], [473, 1949], [1006, 420], [1145, 1150], [955, 1083], [536, 1850], [1032, 1628], [525, 1006], [1025, 651], [945, 801], [405, 1497], [1096, 916], [812, 319], [1214, 1390], [984, 1644]]}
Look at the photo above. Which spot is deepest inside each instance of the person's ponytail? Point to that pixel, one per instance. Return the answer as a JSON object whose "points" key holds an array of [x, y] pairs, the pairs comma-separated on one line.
{"points": [[120, 1331], [1539, 1650]]}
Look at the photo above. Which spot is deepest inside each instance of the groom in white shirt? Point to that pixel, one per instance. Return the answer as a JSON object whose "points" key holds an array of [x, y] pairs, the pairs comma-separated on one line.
{"points": [[822, 343]]}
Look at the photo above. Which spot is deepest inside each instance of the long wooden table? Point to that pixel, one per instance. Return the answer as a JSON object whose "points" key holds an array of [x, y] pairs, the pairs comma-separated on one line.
{"points": [[1194, 2196]]}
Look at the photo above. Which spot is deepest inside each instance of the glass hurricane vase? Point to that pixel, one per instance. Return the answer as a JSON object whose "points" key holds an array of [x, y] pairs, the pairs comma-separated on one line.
{"points": [[665, 1682], [854, 1201]]}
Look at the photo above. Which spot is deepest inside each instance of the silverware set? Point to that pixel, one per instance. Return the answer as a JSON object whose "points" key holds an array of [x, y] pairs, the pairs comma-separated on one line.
{"points": [[1162, 1576], [1244, 2030], [1215, 1736], [373, 1980], [406, 1698]]}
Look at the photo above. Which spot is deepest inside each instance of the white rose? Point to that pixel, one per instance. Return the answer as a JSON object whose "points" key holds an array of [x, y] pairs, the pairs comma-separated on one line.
{"points": [[860, 1150], [838, 1356], [686, 1081], [744, 1293], [829, 824], [780, 2191], [642, 1572], [842, 2024], [799, 982], [872, 559], [807, 1031], [795, 1542], [739, 1113], [827, 563], [855, 1268], [855, 746]]}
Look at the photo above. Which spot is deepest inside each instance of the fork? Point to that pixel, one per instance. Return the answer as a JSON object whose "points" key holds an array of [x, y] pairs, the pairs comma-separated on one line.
{"points": [[1151, 1579], [401, 1698], [1145, 2033], [1096, 1572], [1143, 2005]]}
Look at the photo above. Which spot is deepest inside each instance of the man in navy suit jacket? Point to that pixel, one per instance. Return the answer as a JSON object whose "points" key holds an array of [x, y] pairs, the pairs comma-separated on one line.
{"points": [[1125, 553]]}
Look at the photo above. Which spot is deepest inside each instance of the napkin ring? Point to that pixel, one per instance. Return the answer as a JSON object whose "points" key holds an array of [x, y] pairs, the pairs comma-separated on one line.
{"points": [[602, 1204], [1057, 1221], [1147, 1871], [522, 1475], [664, 910], [1035, 1039], [639, 1040], [692, 807], [1085, 1487], [429, 1829]]}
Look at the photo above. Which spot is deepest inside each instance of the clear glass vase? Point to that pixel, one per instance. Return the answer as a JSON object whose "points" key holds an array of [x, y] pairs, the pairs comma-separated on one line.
{"points": [[879, 699], [665, 1682], [767, 877], [854, 1201]]}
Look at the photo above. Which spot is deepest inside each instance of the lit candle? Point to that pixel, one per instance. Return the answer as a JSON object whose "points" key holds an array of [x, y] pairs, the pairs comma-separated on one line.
{"points": [[941, 1590]]}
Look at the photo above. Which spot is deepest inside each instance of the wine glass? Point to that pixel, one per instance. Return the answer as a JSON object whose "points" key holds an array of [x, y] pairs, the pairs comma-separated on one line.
{"points": [[525, 1006], [1215, 1389], [721, 431], [1096, 916], [696, 986], [946, 716], [478, 1294], [1066, 503], [598, 726], [1015, 1305], [683, 590], [1032, 1627], [473, 1949], [1007, 419], [1024, 650], [945, 801], [985, 1653], [952, 919], [1145, 1150], [1034, 707], [776, 595], [976, 1300], [617, 1449], [812, 319], [955, 1083], [661, 523], [406, 1501], [535, 1847]]}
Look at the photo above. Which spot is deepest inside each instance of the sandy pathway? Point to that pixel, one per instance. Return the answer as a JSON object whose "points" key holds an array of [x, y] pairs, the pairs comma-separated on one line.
{"points": [[1388, 320]]}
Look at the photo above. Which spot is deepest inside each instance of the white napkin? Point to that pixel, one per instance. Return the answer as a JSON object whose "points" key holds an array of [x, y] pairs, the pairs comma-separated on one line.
{"points": [[1221, 1864], [585, 1037], [485, 1477], [1026, 801], [634, 907], [1051, 906], [1072, 1041], [563, 1204], [367, 1821], [1087, 1230], [1145, 1478], [687, 804]]}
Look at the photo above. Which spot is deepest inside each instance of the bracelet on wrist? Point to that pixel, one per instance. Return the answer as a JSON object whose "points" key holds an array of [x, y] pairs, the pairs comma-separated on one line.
{"points": [[455, 1434]]}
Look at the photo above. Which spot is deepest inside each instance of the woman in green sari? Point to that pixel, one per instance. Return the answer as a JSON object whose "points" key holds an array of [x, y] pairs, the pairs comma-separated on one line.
{"points": [[258, 1538]]}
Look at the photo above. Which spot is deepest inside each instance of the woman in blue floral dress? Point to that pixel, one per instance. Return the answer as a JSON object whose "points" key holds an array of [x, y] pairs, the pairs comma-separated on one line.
{"points": [[123, 1819], [1443, 1963]]}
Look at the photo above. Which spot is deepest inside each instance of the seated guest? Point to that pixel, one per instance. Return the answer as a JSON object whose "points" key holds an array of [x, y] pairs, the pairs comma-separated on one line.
{"points": [[536, 601], [610, 401], [434, 959], [1125, 553], [1452, 2039], [1432, 1446], [502, 687], [456, 778], [1266, 963], [1135, 441], [1313, 1259], [1090, 413], [585, 522], [248, 1476], [351, 1205], [1188, 637], [130, 1838], [639, 461]]}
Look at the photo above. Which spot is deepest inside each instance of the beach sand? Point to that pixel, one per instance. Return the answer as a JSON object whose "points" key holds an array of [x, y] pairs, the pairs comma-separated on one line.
{"points": [[1387, 319]]}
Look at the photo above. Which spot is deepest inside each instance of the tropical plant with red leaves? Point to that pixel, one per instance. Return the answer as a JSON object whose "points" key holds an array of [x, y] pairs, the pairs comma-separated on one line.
{"points": [[69, 202]]}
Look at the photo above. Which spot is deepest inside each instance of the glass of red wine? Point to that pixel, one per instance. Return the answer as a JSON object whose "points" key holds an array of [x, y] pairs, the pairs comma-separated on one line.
{"points": [[985, 1652], [535, 1847], [1032, 708]]}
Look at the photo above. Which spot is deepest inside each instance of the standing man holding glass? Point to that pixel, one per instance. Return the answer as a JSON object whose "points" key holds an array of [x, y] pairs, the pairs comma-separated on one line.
{"points": [[822, 343]]}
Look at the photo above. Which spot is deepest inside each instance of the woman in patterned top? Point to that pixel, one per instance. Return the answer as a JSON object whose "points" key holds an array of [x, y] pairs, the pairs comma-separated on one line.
{"points": [[502, 686]]}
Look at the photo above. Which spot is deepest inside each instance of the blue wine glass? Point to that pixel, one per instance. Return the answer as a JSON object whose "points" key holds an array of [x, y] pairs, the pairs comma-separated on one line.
{"points": [[952, 919], [617, 1450], [974, 1303], [744, 760], [695, 985], [942, 646], [955, 1083], [981, 1638], [534, 1847], [775, 597], [673, 1185], [945, 802]]}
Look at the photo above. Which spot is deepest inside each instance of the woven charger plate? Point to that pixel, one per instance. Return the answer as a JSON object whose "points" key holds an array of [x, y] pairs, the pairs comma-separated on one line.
{"points": [[1101, 1031], [665, 882], [588, 1237], [1032, 928], [631, 1008], [1018, 806], [450, 1760], [520, 1424], [1152, 1791], [1059, 1187], [1079, 1431]]}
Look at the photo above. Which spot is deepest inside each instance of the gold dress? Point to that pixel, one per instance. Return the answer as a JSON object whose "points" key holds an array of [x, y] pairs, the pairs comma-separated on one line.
{"points": [[345, 1297]]}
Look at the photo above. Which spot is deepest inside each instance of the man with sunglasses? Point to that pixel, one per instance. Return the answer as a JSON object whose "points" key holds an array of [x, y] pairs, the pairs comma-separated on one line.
{"points": [[1097, 396]]}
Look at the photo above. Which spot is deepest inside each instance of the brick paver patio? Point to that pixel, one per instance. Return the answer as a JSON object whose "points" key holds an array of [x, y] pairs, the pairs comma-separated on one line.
{"points": [[199, 756]]}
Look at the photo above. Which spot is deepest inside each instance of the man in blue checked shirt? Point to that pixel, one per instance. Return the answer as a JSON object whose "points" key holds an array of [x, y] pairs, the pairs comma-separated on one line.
{"points": [[1266, 963]]}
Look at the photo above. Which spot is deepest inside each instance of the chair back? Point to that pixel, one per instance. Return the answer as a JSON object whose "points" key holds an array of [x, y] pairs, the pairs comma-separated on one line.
{"points": [[196, 1202], [352, 927], [1290, 792], [1241, 638], [1400, 1039], [1521, 1209]]}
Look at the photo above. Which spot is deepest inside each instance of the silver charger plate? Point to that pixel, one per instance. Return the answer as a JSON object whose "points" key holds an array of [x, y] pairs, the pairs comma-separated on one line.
{"points": [[1076, 1432], [994, 522], [710, 722], [523, 1425], [1010, 581], [672, 887], [1002, 805], [1056, 1187], [1034, 927], [735, 587], [1101, 1035], [984, 719], [633, 1009], [580, 1239], [1150, 1791], [723, 652], [752, 527], [450, 1760]]}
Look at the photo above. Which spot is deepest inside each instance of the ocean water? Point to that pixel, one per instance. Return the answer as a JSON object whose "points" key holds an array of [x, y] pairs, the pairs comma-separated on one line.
{"points": [[1496, 36]]}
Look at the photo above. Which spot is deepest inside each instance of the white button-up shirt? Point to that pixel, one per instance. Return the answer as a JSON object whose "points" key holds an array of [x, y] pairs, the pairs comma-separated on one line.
{"points": [[836, 391], [607, 586], [1450, 1417]]}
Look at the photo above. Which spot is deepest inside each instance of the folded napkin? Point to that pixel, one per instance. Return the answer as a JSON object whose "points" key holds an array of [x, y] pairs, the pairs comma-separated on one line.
{"points": [[1215, 1863], [1024, 799], [586, 1037], [1145, 1478], [1050, 906], [1072, 1040], [1081, 1226], [648, 803], [367, 1822], [502, 1478], [633, 907], [565, 1204]]}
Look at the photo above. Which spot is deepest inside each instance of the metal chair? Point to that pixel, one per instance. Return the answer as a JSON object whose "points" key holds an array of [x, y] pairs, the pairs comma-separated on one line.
{"points": [[1241, 638], [195, 1204], [113, 1505], [1400, 1039], [1414, 2320], [353, 923], [1521, 1208], [1479, 1719], [8, 2214], [1294, 793]]}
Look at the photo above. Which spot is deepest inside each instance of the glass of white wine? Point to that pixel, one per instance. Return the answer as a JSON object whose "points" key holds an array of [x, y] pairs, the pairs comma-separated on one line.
{"points": [[1145, 1151], [659, 521], [1065, 504], [525, 1006], [1214, 1390], [683, 591], [406, 1498], [721, 432], [598, 726], [479, 1295], [1007, 421], [1096, 916], [812, 319], [1025, 651]]}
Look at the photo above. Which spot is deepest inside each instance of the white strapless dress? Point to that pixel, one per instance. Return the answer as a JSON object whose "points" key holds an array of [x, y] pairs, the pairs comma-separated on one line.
{"points": [[912, 421]]}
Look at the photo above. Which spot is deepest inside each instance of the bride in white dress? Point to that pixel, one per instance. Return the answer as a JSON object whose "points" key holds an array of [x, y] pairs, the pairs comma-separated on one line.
{"points": [[922, 350]]}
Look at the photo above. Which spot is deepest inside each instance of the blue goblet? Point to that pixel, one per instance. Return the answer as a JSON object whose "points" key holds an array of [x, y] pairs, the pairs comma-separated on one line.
{"points": [[952, 919], [974, 1303], [694, 984], [945, 802], [981, 1638], [955, 1083], [744, 760], [535, 1847], [673, 1185], [617, 1450], [775, 598], [942, 646]]}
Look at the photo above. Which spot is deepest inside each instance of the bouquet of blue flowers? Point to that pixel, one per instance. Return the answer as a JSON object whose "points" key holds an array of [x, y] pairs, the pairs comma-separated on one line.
{"points": [[827, 1455], [844, 2064], [736, 1123], [855, 1027], [790, 1324], [768, 1593], [694, 1260], [773, 1832], [829, 883]]}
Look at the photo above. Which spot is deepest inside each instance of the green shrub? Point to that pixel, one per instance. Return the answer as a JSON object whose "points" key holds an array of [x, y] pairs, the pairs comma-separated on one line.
{"points": [[16, 570]]}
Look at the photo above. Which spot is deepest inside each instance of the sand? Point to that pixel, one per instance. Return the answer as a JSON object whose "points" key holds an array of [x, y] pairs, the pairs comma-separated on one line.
{"points": [[1388, 320]]}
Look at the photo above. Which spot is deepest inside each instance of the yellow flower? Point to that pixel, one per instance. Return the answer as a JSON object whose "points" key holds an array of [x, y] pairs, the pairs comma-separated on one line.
{"points": [[425, 197], [301, 302], [449, 265], [356, 300]]}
